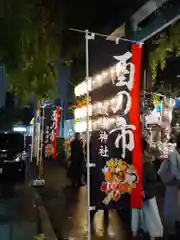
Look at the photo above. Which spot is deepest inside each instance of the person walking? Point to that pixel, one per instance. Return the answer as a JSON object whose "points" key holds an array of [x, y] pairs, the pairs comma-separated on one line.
{"points": [[76, 167]]}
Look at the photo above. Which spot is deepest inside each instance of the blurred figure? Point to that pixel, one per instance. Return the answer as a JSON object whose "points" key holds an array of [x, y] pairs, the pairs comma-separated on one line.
{"points": [[62, 156], [28, 160], [76, 161], [170, 175], [28, 153], [148, 219], [151, 211]]}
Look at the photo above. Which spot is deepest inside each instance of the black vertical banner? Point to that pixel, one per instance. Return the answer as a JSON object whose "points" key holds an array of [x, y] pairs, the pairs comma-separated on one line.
{"points": [[115, 133], [48, 110]]}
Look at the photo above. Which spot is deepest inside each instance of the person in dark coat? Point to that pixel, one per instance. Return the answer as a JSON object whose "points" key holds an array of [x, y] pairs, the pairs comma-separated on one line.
{"points": [[77, 161]]}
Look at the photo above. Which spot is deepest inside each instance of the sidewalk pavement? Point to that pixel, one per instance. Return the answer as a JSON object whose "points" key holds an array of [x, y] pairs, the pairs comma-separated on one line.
{"points": [[67, 208], [18, 216]]}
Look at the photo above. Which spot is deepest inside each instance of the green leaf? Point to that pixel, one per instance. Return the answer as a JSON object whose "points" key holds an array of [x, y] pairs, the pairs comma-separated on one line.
{"points": [[165, 44]]}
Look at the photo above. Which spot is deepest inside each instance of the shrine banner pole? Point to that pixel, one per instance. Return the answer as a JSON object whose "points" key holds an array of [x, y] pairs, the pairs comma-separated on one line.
{"points": [[87, 130], [39, 181]]}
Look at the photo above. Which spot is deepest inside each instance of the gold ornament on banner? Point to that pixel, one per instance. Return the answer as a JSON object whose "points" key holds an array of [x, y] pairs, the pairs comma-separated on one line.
{"points": [[80, 103], [120, 178]]}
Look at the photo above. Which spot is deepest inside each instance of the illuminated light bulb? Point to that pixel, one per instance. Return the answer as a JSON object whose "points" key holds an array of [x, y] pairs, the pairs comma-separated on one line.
{"points": [[113, 74], [82, 126], [76, 91], [78, 113], [82, 112], [93, 85], [113, 100], [94, 110], [83, 88], [112, 70], [78, 127], [98, 77], [90, 84], [120, 68], [98, 80], [90, 125], [90, 110], [106, 103], [99, 105], [79, 91], [104, 74]]}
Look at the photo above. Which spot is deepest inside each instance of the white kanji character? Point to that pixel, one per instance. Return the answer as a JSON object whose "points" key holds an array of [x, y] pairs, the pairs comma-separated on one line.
{"points": [[103, 137], [117, 103], [104, 109], [53, 126], [103, 151], [53, 117], [101, 108], [103, 123], [125, 130], [51, 135], [122, 70], [125, 145]]}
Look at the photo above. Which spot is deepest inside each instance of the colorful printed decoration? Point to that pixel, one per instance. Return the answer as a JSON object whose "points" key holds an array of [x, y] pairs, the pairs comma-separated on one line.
{"points": [[120, 178], [79, 103]]}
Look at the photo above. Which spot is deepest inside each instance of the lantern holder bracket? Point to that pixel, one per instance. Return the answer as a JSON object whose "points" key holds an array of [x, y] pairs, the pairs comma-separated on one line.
{"points": [[91, 165], [92, 208]]}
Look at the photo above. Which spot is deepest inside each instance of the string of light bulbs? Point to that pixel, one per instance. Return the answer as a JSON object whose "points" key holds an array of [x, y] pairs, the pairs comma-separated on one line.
{"points": [[102, 78], [97, 81]]}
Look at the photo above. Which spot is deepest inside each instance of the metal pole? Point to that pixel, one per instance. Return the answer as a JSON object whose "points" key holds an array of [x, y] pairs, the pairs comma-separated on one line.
{"points": [[32, 142], [41, 149], [87, 131]]}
